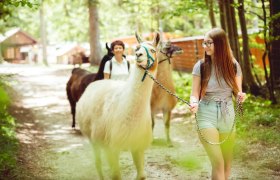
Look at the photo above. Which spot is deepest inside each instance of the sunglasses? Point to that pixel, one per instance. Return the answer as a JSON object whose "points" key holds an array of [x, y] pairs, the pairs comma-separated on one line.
{"points": [[207, 44]]}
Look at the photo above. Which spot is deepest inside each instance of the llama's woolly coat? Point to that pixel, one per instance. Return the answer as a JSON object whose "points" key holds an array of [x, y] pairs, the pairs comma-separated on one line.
{"points": [[161, 100], [121, 115]]}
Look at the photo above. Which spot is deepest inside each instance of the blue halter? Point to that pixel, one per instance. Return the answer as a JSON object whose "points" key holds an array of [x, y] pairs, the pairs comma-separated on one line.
{"points": [[149, 63]]}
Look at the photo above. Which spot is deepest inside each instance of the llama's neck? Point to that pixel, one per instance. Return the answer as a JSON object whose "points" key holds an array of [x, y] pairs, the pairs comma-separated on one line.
{"points": [[164, 68], [139, 91], [164, 73]]}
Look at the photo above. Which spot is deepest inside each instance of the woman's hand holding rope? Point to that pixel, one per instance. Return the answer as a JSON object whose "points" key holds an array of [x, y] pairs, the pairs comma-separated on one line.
{"points": [[241, 96], [193, 104]]}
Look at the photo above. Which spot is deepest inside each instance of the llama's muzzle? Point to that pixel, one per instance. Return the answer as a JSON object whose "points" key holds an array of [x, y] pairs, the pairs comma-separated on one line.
{"points": [[139, 57]]}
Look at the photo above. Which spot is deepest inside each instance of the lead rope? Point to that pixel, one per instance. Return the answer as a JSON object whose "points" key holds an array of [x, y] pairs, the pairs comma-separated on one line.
{"points": [[167, 90], [239, 110]]}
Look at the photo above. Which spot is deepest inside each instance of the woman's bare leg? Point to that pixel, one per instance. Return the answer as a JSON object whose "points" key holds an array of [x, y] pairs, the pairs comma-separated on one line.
{"points": [[227, 150], [214, 153]]}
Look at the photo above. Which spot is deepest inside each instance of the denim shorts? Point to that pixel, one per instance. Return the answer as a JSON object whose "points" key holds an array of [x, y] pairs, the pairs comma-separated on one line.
{"points": [[216, 114]]}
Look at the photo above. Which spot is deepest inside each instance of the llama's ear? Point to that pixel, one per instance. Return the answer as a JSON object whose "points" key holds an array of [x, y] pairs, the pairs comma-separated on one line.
{"points": [[138, 37], [168, 43], [156, 39], [107, 47]]}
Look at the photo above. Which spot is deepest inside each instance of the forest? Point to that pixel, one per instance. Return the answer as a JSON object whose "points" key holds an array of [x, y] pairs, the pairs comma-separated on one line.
{"points": [[248, 24], [92, 22]]}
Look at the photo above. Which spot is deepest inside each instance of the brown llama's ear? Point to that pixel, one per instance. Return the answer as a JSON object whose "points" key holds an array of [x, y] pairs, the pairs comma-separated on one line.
{"points": [[138, 37], [156, 39], [168, 42], [107, 47]]}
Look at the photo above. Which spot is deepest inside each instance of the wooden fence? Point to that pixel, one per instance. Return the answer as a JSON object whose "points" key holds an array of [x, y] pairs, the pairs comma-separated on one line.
{"points": [[193, 51]]}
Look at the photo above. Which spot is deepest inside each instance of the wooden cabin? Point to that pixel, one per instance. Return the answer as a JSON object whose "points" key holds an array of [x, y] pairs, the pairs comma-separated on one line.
{"points": [[12, 42], [68, 54]]}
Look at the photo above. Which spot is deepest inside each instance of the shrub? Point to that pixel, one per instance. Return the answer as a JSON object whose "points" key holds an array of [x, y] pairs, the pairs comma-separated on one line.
{"points": [[8, 141]]}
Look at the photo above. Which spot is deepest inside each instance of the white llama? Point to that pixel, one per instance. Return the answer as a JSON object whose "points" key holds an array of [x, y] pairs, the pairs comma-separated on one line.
{"points": [[116, 115]]}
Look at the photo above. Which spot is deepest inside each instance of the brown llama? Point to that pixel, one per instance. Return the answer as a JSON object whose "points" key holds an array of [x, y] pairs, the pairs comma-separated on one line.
{"points": [[161, 101], [80, 79], [75, 89]]}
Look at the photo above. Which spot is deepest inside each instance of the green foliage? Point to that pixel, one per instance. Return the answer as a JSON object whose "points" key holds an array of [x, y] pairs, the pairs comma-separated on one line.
{"points": [[259, 72], [190, 7], [4, 100], [183, 17], [22, 3], [17, 3], [8, 142], [8, 9], [68, 20], [254, 43], [183, 85], [261, 120]]}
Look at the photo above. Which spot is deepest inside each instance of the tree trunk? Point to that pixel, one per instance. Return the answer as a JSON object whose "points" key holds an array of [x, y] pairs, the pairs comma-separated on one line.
{"points": [[232, 29], [43, 33], [274, 55], [157, 15], [209, 4], [235, 32], [1, 56], [94, 38], [222, 15], [248, 81], [269, 81]]}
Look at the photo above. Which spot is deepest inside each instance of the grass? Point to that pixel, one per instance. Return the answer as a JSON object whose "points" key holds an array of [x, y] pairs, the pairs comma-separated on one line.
{"points": [[261, 121], [189, 162], [8, 141]]}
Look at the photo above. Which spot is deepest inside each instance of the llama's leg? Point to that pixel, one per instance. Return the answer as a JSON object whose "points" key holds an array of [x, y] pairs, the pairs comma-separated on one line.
{"points": [[113, 159], [138, 159], [153, 121], [98, 162], [73, 110], [71, 101], [166, 118]]}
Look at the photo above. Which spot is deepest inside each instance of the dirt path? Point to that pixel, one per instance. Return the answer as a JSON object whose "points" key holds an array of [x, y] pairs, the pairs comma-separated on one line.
{"points": [[51, 149]]}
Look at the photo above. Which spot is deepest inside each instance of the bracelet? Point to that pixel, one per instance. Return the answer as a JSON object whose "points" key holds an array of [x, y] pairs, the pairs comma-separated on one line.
{"points": [[193, 99]]}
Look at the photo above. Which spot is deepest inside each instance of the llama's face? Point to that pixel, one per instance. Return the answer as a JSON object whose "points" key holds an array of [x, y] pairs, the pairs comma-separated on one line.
{"points": [[146, 52], [168, 50]]}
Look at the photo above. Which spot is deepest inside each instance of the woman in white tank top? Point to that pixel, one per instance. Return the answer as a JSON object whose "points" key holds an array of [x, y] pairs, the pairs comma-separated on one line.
{"points": [[118, 67]]}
